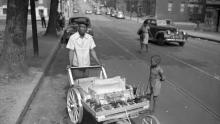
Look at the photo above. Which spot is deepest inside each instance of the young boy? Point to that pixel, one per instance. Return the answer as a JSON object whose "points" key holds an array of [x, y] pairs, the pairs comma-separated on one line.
{"points": [[156, 76]]}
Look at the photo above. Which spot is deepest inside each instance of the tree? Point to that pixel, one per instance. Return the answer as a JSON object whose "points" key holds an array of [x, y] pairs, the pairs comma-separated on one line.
{"points": [[51, 29], [34, 28], [14, 44]]}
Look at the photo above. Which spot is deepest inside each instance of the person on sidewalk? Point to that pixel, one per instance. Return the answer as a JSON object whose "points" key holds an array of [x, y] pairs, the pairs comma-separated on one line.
{"points": [[156, 76], [43, 21], [144, 36], [80, 46]]}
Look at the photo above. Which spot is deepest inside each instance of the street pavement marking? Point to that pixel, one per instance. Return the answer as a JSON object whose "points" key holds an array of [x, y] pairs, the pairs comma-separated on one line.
{"points": [[186, 93], [178, 89]]}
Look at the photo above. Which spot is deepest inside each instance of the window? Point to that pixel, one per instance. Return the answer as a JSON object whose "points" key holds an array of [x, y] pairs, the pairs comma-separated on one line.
{"points": [[200, 9], [40, 1], [170, 6], [182, 7], [4, 10]]}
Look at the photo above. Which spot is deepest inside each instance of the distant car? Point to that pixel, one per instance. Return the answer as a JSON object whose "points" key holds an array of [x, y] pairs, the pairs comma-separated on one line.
{"points": [[113, 13], [108, 12], [88, 12], [162, 32], [73, 28], [98, 12], [75, 11], [120, 15]]}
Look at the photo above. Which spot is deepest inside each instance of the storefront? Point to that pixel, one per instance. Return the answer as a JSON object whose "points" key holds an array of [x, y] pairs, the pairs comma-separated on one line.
{"points": [[212, 16]]}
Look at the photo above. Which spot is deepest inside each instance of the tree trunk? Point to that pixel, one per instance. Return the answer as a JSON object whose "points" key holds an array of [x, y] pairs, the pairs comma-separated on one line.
{"points": [[51, 29], [34, 28], [14, 45]]}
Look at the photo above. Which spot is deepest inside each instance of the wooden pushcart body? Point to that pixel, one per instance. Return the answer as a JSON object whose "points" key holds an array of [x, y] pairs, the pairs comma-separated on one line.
{"points": [[79, 87]]}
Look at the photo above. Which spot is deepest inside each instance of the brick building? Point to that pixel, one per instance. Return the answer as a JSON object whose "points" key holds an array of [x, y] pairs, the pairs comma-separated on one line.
{"points": [[212, 16], [172, 9], [177, 10]]}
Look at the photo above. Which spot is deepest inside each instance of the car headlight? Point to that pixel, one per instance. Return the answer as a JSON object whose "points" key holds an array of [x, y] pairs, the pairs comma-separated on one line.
{"points": [[184, 33], [168, 32]]}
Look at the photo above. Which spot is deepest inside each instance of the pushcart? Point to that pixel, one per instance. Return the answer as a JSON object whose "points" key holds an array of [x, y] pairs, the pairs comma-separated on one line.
{"points": [[108, 100]]}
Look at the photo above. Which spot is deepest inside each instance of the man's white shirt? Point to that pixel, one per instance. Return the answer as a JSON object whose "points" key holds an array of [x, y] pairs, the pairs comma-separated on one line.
{"points": [[81, 48]]}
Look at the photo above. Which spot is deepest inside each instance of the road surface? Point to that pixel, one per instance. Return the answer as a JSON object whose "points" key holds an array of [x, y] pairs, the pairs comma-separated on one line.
{"points": [[189, 95]]}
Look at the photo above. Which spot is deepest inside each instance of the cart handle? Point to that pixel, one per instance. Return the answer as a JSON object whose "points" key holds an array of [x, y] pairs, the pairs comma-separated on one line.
{"points": [[95, 66]]}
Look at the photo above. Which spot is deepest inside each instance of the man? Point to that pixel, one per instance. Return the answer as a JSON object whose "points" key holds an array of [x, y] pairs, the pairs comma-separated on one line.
{"points": [[80, 46], [43, 21], [61, 21]]}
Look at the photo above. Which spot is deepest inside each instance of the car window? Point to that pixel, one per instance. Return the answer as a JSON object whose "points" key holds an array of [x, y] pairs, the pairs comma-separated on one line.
{"points": [[162, 22], [152, 21]]}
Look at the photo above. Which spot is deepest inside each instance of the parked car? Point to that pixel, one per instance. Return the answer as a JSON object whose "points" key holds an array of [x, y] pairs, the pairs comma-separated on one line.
{"points": [[88, 11], [162, 32], [120, 15], [73, 27], [113, 13], [98, 12], [108, 12], [75, 11]]}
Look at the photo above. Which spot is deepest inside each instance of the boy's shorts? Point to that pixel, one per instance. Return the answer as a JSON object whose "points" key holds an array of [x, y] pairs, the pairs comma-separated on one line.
{"points": [[154, 89]]}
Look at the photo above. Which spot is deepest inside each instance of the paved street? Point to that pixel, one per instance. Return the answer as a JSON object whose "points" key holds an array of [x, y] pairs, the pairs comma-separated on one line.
{"points": [[189, 95]]}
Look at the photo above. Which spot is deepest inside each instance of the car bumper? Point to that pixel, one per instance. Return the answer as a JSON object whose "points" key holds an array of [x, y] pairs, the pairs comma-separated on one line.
{"points": [[120, 17], [175, 40]]}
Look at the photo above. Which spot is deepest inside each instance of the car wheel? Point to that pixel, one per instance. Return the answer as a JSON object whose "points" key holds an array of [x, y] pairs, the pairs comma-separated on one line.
{"points": [[161, 41], [182, 43]]}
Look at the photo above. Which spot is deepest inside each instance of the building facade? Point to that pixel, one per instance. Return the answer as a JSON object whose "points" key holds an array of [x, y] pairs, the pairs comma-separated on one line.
{"points": [[177, 10], [212, 15], [42, 6], [172, 9]]}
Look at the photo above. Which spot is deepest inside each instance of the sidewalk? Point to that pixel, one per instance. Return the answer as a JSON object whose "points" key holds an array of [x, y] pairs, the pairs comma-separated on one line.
{"points": [[16, 96], [211, 36]]}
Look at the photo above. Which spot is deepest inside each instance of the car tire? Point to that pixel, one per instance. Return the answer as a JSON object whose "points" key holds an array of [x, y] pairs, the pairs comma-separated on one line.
{"points": [[182, 44], [161, 41]]}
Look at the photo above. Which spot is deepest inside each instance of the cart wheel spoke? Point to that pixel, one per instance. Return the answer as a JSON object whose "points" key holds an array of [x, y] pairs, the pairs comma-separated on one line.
{"points": [[74, 106]]}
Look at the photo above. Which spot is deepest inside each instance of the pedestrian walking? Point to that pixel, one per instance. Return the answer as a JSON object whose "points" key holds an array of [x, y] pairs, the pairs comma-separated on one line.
{"points": [[143, 32], [43, 21], [80, 46], [155, 79], [61, 21]]}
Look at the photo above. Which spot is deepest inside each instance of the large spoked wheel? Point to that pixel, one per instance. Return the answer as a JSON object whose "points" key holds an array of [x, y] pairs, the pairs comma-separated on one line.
{"points": [[150, 119], [74, 106]]}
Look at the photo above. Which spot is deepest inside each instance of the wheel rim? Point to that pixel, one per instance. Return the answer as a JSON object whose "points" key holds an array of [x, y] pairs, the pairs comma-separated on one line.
{"points": [[161, 41], [74, 107], [150, 119]]}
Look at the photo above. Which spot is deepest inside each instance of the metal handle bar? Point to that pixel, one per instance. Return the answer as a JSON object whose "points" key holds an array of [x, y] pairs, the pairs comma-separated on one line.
{"points": [[96, 66]]}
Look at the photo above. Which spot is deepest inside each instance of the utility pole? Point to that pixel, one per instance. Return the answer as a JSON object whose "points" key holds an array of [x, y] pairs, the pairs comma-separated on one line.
{"points": [[34, 28]]}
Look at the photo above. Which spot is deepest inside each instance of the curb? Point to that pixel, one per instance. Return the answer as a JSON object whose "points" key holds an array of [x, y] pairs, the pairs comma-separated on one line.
{"points": [[38, 80], [214, 40]]}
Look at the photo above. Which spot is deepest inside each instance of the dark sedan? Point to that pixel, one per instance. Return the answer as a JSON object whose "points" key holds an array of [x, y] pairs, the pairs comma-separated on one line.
{"points": [[162, 32], [73, 27]]}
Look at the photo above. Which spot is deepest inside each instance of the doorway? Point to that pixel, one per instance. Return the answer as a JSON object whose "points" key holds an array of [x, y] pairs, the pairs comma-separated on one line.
{"points": [[218, 21]]}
